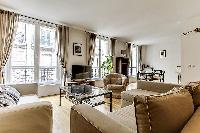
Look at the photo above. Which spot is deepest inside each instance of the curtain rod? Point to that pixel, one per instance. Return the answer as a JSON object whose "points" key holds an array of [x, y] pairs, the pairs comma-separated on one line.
{"points": [[109, 37], [195, 30], [21, 15], [97, 34], [25, 16], [39, 20]]}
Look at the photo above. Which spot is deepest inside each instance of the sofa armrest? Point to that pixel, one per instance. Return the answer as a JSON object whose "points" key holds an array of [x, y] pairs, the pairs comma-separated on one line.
{"points": [[27, 118], [85, 119], [125, 81], [193, 125]]}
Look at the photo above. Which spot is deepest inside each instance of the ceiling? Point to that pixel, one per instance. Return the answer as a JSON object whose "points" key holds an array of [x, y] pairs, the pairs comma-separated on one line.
{"points": [[138, 21]]}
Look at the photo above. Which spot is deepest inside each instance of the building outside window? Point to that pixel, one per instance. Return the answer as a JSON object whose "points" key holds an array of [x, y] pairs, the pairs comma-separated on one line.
{"points": [[22, 55], [48, 55], [33, 57], [102, 50]]}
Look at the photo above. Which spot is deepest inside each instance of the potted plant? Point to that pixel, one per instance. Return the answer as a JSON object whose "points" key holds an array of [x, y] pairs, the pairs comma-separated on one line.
{"points": [[107, 65]]}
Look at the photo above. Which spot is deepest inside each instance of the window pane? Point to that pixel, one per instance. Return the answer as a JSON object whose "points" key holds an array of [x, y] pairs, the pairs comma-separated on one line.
{"points": [[104, 55], [22, 55], [104, 50], [133, 69], [134, 56], [101, 51], [48, 55], [133, 64], [95, 66]]}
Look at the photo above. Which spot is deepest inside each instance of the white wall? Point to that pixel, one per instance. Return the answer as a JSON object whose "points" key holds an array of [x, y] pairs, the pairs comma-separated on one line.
{"points": [[168, 64], [76, 36], [190, 57], [118, 47], [190, 49]]}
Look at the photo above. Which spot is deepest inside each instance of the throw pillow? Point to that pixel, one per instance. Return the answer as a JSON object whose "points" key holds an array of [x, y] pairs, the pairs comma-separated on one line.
{"points": [[194, 89], [166, 113], [6, 100], [11, 92]]}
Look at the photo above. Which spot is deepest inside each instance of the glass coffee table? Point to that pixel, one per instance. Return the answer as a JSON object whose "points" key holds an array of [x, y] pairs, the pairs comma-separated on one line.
{"points": [[85, 94]]}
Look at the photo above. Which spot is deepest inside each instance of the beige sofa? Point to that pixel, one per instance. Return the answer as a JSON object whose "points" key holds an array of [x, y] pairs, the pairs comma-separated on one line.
{"points": [[178, 107], [29, 115], [85, 119], [145, 88]]}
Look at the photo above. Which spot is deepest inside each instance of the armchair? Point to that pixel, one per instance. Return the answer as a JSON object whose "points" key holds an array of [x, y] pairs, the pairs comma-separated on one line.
{"points": [[115, 82]]}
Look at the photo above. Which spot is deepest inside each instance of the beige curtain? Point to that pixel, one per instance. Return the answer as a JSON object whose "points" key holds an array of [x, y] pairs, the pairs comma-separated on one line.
{"points": [[87, 46], [90, 40], [113, 42], [62, 36], [8, 27]]}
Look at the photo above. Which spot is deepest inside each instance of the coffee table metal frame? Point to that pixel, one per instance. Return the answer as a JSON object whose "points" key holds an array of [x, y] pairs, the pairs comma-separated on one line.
{"points": [[63, 90]]}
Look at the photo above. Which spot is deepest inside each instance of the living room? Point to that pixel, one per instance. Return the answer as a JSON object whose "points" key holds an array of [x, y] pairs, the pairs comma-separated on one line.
{"points": [[99, 66]]}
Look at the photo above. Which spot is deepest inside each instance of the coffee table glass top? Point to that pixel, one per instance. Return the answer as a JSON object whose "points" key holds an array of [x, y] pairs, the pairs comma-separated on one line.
{"points": [[82, 92]]}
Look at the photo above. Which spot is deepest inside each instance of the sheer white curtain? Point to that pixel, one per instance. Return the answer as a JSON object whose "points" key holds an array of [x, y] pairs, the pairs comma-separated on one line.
{"points": [[8, 27]]}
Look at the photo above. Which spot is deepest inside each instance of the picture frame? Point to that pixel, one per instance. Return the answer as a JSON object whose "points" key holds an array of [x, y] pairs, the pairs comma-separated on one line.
{"points": [[77, 49], [162, 53]]}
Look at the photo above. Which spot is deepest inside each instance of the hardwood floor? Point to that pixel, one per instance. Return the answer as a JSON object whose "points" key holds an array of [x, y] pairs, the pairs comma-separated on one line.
{"points": [[61, 114]]}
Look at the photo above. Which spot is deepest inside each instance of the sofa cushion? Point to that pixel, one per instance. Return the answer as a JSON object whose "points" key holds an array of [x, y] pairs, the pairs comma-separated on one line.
{"points": [[125, 116], [28, 99], [117, 81], [156, 86], [165, 113], [85, 119], [194, 89], [130, 94], [11, 92], [26, 88]]}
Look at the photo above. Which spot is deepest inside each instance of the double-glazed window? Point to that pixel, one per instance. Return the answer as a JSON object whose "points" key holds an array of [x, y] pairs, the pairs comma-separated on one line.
{"points": [[48, 55], [102, 51], [33, 56], [134, 61]]}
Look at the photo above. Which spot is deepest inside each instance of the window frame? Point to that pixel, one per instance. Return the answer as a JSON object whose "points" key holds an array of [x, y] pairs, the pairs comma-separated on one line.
{"points": [[36, 57], [131, 67], [100, 74]]}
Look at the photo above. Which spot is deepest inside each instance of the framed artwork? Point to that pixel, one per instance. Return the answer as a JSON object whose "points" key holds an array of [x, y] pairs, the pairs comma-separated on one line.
{"points": [[163, 54], [77, 49]]}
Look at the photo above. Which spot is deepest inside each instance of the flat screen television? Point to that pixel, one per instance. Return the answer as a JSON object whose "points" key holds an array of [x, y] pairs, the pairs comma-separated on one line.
{"points": [[81, 71]]}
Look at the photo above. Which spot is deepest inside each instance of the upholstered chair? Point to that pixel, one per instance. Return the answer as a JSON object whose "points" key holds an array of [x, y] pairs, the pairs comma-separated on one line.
{"points": [[115, 82]]}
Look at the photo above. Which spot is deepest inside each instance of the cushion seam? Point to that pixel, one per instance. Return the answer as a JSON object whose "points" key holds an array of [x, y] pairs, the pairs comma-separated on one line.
{"points": [[148, 112]]}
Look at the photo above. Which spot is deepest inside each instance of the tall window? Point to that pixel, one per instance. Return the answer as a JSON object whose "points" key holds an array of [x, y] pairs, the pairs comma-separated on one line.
{"points": [[33, 57], [133, 63], [48, 57], [101, 53], [22, 55]]}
